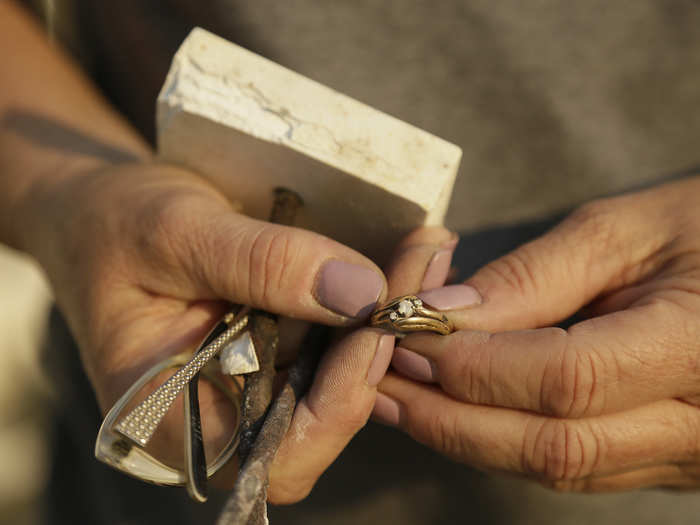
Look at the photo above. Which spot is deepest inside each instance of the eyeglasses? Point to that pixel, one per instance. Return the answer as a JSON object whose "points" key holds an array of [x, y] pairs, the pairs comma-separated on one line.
{"points": [[122, 439]]}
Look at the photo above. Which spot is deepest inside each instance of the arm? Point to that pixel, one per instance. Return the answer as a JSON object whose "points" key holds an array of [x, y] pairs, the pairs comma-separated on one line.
{"points": [[53, 124], [611, 403]]}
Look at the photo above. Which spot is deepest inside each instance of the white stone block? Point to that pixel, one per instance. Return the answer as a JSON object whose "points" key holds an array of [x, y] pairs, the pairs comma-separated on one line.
{"points": [[251, 125]]}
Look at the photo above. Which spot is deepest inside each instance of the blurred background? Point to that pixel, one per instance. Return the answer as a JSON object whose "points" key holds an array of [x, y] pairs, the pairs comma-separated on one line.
{"points": [[24, 391]]}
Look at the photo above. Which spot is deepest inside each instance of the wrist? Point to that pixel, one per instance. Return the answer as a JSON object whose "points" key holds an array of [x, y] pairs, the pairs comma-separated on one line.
{"points": [[45, 207], [37, 162]]}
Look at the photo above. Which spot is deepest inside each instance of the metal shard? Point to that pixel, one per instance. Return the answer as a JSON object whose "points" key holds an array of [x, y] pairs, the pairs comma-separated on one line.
{"points": [[239, 357]]}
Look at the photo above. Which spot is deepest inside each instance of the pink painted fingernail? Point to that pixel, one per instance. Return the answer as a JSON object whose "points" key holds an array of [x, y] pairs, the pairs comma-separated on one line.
{"points": [[451, 297], [439, 266], [348, 289], [386, 410], [381, 360], [413, 365]]}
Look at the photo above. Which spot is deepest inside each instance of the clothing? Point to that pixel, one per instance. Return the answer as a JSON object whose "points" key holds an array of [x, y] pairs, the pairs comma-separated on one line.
{"points": [[573, 99], [553, 102]]}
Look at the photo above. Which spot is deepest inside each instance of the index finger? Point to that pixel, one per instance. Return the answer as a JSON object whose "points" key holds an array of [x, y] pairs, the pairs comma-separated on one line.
{"points": [[421, 261], [605, 364], [547, 449]]}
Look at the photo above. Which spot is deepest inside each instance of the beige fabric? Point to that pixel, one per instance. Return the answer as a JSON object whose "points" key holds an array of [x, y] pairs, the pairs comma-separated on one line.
{"points": [[552, 101]]}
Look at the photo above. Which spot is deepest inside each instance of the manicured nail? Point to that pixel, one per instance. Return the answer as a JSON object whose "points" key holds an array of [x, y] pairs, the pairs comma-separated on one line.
{"points": [[451, 297], [452, 243], [382, 358], [413, 365], [439, 266], [386, 410], [348, 289]]}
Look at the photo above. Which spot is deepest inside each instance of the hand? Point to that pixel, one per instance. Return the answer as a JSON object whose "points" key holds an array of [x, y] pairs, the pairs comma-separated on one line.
{"points": [[342, 396], [613, 402], [144, 258]]}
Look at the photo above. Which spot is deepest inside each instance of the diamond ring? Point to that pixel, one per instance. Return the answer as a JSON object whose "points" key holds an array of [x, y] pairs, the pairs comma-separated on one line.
{"points": [[409, 313]]}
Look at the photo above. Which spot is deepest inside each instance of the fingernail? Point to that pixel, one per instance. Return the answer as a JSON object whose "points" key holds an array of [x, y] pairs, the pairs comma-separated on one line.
{"points": [[382, 358], [439, 266], [413, 365], [348, 289], [451, 297], [386, 410], [452, 243]]}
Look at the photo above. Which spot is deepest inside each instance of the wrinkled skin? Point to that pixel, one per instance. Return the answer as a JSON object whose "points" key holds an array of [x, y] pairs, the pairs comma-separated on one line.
{"points": [[612, 402], [145, 257]]}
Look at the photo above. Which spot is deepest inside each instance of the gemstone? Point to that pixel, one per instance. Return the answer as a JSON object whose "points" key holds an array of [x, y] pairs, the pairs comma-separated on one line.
{"points": [[393, 316], [405, 308]]}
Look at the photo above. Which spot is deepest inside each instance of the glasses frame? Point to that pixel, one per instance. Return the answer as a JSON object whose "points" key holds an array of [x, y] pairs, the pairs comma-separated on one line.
{"points": [[128, 457]]}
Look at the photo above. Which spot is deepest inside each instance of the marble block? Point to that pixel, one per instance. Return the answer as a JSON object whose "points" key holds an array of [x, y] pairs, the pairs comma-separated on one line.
{"points": [[250, 125]]}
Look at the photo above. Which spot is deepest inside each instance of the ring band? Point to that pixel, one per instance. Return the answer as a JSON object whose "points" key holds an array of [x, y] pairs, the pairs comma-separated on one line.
{"points": [[409, 313]]}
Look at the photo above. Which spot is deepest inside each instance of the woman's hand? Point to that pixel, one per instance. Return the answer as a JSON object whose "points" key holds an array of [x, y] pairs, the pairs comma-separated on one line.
{"points": [[343, 394], [611, 403], [144, 258]]}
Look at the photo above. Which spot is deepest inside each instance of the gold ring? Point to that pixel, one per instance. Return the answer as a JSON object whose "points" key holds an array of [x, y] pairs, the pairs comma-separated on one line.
{"points": [[409, 313]]}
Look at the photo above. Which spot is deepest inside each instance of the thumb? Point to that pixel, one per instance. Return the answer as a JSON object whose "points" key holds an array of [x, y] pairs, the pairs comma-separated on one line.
{"points": [[280, 269], [602, 246]]}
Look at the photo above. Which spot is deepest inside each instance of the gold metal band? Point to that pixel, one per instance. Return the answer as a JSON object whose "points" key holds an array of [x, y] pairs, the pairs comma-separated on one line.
{"points": [[408, 313]]}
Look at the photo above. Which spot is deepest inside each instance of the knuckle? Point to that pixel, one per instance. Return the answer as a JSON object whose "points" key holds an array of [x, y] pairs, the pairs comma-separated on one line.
{"points": [[516, 270], [594, 213], [569, 383], [688, 426], [561, 451], [162, 229], [596, 222], [270, 254], [444, 436], [684, 342], [468, 373]]}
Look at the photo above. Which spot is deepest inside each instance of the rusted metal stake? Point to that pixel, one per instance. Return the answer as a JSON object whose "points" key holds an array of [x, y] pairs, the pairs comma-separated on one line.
{"points": [[260, 437], [250, 493]]}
